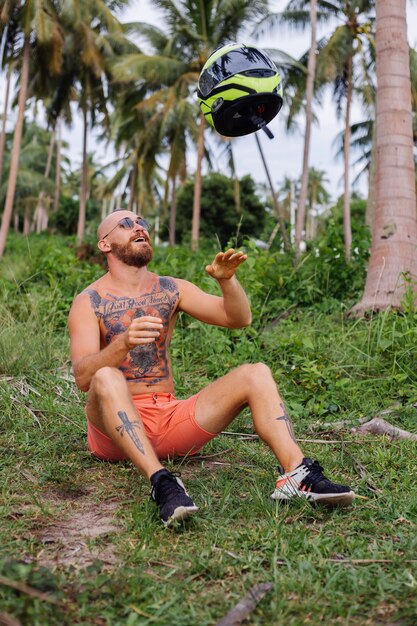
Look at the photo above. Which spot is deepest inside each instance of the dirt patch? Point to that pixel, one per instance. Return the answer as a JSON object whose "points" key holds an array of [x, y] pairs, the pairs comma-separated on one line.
{"points": [[81, 533]]}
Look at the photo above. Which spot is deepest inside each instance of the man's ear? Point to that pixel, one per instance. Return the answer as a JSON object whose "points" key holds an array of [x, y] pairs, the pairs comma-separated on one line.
{"points": [[104, 245]]}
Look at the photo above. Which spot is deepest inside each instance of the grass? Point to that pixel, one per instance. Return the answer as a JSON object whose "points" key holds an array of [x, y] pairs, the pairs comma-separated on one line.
{"points": [[355, 566]]}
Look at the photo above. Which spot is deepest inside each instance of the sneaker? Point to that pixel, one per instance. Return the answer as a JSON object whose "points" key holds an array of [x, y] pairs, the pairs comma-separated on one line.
{"points": [[169, 493], [308, 481]]}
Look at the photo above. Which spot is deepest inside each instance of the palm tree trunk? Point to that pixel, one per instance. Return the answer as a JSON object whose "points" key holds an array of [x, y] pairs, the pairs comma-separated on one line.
{"points": [[173, 212], [17, 138], [26, 223], [311, 70], [83, 193], [41, 212], [347, 229], [277, 205], [103, 208], [133, 186], [4, 120], [195, 230], [370, 203], [394, 232], [58, 166], [141, 194]]}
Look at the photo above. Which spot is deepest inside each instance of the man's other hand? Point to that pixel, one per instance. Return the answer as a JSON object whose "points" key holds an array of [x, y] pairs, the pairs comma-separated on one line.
{"points": [[225, 264], [145, 329]]}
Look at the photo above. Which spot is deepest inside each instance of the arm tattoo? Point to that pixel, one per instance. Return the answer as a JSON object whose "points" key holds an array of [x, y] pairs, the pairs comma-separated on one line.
{"points": [[286, 418], [129, 428]]}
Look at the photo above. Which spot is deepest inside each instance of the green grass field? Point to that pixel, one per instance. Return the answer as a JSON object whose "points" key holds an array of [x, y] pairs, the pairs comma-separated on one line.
{"points": [[80, 540]]}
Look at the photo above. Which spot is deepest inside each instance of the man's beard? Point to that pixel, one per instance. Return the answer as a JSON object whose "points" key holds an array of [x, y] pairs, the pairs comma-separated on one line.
{"points": [[137, 255]]}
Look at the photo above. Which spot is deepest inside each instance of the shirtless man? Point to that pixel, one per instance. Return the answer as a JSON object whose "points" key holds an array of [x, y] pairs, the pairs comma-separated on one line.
{"points": [[120, 329]]}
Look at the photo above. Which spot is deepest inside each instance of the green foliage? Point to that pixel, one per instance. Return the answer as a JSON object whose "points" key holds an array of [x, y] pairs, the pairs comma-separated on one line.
{"points": [[328, 369], [65, 219], [45, 280], [219, 217]]}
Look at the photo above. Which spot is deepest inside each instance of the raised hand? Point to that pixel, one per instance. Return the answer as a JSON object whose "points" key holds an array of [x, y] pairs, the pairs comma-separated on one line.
{"points": [[225, 264]]}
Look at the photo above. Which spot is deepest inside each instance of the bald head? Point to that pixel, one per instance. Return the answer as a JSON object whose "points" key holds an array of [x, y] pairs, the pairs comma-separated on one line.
{"points": [[111, 221]]}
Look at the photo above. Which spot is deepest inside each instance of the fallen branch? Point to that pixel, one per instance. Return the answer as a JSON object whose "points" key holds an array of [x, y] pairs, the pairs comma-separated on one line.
{"points": [[379, 426], [368, 561], [29, 591], [229, 433], [244, 436], [341, 424], [245, 606]]}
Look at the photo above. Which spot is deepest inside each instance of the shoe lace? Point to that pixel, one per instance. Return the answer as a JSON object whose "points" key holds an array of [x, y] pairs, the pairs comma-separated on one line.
{"points": [[314, 475], [166, 487]]}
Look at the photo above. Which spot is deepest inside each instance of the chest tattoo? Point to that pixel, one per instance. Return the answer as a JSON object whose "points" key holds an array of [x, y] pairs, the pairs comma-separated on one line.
{"points": [[148, 362]]}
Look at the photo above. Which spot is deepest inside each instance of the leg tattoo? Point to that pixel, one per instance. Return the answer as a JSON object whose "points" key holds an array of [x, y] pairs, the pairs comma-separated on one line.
{"points": [[129, 428], [286, 418]]}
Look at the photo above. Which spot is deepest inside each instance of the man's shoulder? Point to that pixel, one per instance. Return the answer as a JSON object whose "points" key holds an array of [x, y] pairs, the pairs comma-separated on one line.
{"points": [[90, 294], [168, 283]]}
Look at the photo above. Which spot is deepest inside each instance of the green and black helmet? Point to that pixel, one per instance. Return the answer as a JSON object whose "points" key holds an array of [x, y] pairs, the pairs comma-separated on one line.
{"points": [[239, 90]]}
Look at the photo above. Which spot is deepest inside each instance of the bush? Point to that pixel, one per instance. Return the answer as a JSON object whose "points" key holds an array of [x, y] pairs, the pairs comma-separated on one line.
{"points": [[219, 218]]}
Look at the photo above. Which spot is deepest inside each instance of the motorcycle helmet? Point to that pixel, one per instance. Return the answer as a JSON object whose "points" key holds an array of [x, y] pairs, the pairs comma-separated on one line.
{"points": [[239, 90]]}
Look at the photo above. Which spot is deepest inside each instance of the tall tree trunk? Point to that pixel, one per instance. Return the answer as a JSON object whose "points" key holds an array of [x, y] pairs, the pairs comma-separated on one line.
{"points": [[173, 212], [41, 214], [370, 203], [4, 120], [17, 139], [347, 229], [311, 71], [133, 187], [58, 165], [103, 208], [394, 233], [195, 230], [26, 223], [277, 205], [83, 193], [292, 199]]}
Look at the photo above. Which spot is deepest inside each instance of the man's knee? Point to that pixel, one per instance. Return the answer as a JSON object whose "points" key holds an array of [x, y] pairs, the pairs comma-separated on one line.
{"points": [[255, 375], [107, 380]]}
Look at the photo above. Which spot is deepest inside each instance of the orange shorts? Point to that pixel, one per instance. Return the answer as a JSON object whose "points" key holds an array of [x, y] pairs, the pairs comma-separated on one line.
{"points": [[169, 423]]}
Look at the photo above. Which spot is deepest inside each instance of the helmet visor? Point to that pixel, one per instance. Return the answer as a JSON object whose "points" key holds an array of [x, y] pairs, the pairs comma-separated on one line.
{"points": [[249, 61]]}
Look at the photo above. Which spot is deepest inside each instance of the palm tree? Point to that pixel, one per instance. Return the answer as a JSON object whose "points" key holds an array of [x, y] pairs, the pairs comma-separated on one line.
{"points": [[311, 71], [4, 117], [58, 165], [37, 29], [394, 234], [336, 63], [30, 181], [277, 205], [343, 59], [191, 31], [93, 35]]}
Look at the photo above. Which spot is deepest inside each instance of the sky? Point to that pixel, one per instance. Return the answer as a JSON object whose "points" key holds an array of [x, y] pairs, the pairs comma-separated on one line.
{"points": [[284, 152]]}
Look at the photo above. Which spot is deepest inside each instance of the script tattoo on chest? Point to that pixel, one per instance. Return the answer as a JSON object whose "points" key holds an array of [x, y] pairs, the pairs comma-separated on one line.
{"points": [[149, 362]]}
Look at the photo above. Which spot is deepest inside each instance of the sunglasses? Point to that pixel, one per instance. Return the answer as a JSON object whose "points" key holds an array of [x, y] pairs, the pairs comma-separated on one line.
{"points": [[128, 224]]}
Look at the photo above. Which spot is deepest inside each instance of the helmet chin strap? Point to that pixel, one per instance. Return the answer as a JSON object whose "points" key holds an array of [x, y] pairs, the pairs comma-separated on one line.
{"points": [[260, 123]]}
